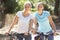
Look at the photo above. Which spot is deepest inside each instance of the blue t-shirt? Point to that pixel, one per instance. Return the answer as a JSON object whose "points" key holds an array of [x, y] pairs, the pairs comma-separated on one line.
{"points": [[43, 22]]}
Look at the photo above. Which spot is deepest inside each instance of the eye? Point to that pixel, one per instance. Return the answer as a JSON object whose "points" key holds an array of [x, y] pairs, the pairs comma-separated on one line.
{"points": [[27, 6], [40, 5]]}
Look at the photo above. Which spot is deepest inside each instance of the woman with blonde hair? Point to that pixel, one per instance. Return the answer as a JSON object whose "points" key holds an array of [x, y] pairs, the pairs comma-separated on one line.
{"points": [[24, 22], [46, 25]]}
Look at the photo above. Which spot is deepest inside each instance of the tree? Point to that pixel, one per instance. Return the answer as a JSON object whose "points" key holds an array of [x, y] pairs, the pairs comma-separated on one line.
{"points": [[2, 14], [10, 6], [6, 6], [56, 7]]}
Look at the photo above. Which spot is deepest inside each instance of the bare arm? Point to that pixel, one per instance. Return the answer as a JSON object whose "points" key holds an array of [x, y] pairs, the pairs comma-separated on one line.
{"points": [[52, 23], [30, 24], [35, 23], [13, 23]]}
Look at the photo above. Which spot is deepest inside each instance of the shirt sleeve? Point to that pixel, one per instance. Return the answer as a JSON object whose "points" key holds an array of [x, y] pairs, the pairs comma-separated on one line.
{"points": [[36, 15], [18, 13], [47, 13]]}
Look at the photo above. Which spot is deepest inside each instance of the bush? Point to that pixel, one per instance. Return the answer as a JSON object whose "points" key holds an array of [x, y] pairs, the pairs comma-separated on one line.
{"points": [[10, 6]]}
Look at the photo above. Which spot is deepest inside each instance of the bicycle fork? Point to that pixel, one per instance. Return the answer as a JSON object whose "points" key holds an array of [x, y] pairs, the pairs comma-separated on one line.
{"points": [[45, 37]]}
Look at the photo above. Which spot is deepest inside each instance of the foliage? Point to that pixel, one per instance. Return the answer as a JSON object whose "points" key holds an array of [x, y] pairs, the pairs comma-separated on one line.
{"points": [[10, 6], [16, 5]]}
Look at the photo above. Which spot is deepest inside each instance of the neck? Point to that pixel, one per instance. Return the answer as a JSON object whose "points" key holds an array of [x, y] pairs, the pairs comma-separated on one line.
{"points": [[40, 12], [25, 13]]}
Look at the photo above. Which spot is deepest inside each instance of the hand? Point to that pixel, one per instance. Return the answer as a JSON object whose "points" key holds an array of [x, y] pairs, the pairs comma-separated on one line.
{"points": [[7, 33], [26, 33], [33, 31]]}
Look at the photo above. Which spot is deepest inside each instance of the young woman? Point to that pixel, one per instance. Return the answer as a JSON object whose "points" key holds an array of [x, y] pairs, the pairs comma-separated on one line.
{"points": [[24, 22], [46, 25]]}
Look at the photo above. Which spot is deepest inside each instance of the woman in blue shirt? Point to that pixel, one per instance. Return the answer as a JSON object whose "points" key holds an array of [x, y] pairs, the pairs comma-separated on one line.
{"points": [[45, 22]]}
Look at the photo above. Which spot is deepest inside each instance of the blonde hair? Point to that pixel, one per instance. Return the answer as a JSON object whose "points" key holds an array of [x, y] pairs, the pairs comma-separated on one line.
{"points": [[28, 2], [39, 4]]}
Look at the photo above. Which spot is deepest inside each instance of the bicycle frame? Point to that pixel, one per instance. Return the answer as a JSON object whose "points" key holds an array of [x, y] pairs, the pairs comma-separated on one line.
{"points": [[46, 36], [12, 37]]}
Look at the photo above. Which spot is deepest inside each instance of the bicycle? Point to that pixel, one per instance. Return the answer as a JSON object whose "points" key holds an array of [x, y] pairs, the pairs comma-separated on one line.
{"points": [[12, 36], [45, 36]]}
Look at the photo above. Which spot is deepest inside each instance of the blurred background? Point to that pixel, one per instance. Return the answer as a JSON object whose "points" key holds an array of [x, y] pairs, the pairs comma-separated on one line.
{"points": [[8, 9]]}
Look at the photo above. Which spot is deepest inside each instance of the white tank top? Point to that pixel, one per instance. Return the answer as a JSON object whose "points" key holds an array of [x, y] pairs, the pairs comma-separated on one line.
{"points": [[23, 23]]}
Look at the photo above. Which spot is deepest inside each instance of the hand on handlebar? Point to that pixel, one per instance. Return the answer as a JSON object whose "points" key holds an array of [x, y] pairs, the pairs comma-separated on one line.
{"points": [[7, 33]]}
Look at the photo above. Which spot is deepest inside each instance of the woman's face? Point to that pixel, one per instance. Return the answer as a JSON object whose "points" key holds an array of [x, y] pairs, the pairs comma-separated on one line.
{"points": [[40, 7], [27, 7]]}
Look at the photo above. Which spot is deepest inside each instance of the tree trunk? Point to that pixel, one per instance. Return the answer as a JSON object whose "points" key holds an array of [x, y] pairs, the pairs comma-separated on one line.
{"points": [[56, 12], [2, 14]]}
